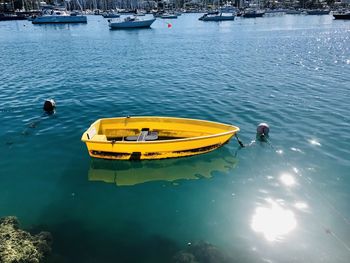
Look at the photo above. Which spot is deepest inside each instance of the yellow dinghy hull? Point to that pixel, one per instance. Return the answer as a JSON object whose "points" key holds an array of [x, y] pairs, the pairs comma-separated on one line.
{"points": [[138, 138]]}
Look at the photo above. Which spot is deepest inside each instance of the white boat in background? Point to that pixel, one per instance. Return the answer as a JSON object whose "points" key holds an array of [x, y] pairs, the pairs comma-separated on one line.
{"points": [[318, 12], [140, 13], [10, 17], [59, 17], [276, 11], [131, 22], [342, 14], [228, 8], [293, 12], [168, 16], [253, 13], [217, 16], [157, 14], [110, 15]]}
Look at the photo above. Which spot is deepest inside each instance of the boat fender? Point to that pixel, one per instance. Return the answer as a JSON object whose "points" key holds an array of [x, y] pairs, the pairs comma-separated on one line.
{"points": [[262, 131], [49, 105]]}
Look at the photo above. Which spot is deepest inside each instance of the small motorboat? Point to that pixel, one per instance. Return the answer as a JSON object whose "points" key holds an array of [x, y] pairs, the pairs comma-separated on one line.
{"points": [[318, 12], [253, 13], [110, 15], [140, 13], [10, 17], [136, 138], [293, 12], [342, 15], [59, 17], [168, 16], [158, 14], [130, 22], [217, 16]]}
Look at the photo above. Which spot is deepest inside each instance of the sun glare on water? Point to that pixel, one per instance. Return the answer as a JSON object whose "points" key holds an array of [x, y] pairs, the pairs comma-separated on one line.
{"points": [[273, 221], [287, 180], [314, 142]]}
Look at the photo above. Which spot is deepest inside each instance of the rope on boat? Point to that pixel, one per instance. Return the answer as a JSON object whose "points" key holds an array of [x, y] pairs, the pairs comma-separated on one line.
{"points": [[262, 135], [264, 138], [239, 141]]}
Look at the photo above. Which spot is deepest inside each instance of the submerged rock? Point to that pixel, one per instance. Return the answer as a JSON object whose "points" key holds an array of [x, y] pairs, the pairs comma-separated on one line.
{"points": [[201, 252], [19, 246], [184, 257]]}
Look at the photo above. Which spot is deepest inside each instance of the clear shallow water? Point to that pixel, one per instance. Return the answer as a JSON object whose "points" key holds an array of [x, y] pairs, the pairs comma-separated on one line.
{"points": [[285, 203]]}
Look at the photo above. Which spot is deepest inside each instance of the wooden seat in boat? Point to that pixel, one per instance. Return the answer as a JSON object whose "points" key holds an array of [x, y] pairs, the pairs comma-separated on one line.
{"points": [[145, 135]]}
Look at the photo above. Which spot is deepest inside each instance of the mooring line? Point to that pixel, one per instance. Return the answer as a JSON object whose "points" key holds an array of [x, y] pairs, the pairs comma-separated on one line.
{"points": [[330, 232]]}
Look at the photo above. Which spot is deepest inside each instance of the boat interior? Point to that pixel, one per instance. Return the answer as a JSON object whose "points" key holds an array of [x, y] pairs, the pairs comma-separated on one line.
{"points": [[153, 129]]}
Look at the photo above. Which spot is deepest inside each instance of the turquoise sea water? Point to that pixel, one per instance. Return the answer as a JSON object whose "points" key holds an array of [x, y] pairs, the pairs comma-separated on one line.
{"points": [[287, 201]]}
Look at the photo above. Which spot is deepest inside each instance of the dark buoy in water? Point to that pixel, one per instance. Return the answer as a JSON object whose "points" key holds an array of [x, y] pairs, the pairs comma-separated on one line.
{"points": [[262, 131], [49, 105]]}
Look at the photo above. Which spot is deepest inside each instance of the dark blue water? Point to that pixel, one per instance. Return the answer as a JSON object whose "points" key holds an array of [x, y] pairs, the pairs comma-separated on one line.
{"points": [[287, 201]]}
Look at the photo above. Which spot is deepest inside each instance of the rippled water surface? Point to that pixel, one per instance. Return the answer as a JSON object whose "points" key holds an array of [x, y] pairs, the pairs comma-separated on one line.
{"points": [[287, 201]]}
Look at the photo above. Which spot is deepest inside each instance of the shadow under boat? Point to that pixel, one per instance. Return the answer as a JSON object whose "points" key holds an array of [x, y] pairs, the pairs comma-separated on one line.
{"points": [[168, 170]]}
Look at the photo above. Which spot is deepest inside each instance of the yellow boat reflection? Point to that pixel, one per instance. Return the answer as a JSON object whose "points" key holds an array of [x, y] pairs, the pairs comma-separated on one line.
{"points": [[170, 170]]}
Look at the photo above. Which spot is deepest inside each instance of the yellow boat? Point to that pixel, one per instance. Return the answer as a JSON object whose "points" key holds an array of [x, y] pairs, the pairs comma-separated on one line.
{"points": [[135, 138]]}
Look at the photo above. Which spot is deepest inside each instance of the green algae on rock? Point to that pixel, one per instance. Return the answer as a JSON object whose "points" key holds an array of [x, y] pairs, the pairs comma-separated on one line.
{"points": [[17, 245]]}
